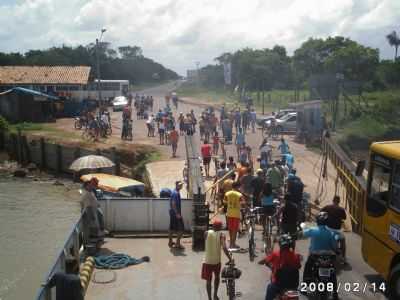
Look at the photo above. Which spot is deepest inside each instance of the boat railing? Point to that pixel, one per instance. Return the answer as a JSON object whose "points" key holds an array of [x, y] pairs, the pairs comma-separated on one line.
{"points": [[69, 252]]}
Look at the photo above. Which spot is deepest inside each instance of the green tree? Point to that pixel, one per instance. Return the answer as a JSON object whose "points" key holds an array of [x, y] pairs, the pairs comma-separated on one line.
{"points": [[394, 41], [130, 52]]}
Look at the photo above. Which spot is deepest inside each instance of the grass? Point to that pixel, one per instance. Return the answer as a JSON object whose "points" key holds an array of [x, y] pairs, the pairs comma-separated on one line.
{"points": [[361, 121], [273, 100], [146, 85]]}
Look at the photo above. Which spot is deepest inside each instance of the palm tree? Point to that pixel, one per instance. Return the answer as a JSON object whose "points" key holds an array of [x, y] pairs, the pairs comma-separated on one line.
{"points": [[394, 41]]}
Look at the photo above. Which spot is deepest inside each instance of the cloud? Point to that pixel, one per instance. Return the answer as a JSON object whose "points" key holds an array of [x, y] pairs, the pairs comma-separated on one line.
{"points": [[177, 33]]}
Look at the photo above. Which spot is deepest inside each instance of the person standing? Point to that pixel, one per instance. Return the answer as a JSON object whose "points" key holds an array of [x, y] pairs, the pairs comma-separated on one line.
{"points": [[181, 120], [336, 217], [239, 141], [174, 138], [284, 147], [91, 206], [233, 199], [161, 132], [176, 220], [231, 165], [215, 143], [253, 118], [258, 185], [206, 154], [215, 241], [237, 118]]}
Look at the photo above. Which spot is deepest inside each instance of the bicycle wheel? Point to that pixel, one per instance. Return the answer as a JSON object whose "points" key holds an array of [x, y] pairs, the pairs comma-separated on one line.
{"points": [[252, 245], [231, 289], [268, 236]]}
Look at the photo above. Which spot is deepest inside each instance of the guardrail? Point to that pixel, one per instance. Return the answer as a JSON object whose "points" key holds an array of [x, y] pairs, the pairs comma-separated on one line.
{"points": [[355, 186], [69, 252], [197, 192]]}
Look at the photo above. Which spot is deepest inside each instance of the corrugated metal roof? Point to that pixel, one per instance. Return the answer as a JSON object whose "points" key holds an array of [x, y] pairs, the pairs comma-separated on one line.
{"points": [[44, 74], [30, 92]]}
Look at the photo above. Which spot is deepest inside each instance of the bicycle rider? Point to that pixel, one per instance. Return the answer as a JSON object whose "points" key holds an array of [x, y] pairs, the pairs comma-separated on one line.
{"points": [[285, 264], [267, 204], [336, 217]]}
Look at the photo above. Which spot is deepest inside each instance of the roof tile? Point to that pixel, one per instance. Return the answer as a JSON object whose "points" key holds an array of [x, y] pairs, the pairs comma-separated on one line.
{"points": [[44, 74]]}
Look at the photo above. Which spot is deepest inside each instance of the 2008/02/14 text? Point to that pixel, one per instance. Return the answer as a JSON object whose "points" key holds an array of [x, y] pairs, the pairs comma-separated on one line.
{"points": [[350, 287]]}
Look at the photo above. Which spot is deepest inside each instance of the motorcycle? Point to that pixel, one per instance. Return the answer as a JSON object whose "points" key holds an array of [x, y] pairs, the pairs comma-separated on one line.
{"points": [[323, 283], [80, 122]]}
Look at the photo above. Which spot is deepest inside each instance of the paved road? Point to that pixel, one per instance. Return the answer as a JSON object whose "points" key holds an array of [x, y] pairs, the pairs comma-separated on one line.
{"points": [[252, 283]]}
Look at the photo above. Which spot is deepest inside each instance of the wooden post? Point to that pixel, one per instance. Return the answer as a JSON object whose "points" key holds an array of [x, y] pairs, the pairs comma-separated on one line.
{"points": [[58, 159], [42, 154], [263, 105], [2, 140], [14, 152], [115, 158], [19, 145], [77, 154], [25, 144]]}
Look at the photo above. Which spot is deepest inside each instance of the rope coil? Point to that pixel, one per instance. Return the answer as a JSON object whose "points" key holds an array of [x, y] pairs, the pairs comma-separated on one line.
{"points": [[117, 261]]}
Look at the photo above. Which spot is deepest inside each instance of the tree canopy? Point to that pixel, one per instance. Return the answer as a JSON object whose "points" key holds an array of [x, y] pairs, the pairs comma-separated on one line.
{"points": [[127, 62], [273, 68]]}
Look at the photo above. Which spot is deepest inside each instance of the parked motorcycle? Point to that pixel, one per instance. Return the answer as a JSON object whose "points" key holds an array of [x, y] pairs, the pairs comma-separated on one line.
{"points": [[80, 122]]}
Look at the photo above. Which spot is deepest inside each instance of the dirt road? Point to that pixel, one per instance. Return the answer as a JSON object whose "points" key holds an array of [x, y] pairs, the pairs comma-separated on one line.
{"points": [[252, 283]]}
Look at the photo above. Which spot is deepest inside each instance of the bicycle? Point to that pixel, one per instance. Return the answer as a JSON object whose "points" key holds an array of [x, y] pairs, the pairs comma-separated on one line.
{"points": [[252, 217], [229, 274], [269, 235]]}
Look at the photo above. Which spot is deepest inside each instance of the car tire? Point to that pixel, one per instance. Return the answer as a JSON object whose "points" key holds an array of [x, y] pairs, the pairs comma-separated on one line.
{"points": [[394, 283]]}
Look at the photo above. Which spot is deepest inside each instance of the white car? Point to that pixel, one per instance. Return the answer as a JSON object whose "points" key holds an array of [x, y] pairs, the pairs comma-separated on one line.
{"points": [[119, 103], [287, 123], [279, 114]]}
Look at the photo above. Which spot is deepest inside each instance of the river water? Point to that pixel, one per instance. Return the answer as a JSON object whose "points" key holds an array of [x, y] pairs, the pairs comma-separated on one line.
{"points": [[35, 219]]}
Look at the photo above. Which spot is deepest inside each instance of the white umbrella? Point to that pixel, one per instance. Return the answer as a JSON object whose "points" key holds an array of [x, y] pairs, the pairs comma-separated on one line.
{"points": [[91, 162]]}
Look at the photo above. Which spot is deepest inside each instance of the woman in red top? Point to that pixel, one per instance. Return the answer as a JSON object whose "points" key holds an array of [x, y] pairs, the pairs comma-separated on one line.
{"points": [[206, 154], [285, 265]]}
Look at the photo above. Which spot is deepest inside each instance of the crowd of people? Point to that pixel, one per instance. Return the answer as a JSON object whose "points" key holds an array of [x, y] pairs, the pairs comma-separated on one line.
{"points": [[268, 181], [239, 187]]}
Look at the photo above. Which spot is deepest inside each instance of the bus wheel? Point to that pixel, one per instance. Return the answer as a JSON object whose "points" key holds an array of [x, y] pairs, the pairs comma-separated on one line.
{"points": [[394, 283]]}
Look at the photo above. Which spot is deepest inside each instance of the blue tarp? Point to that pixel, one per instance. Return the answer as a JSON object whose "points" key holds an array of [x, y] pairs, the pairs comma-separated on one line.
{"points": [[30, 92]]}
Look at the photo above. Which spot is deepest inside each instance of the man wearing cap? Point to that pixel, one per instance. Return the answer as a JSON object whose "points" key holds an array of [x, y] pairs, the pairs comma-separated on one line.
{"points": [[176, 221], [215, 240], [90, 204]]}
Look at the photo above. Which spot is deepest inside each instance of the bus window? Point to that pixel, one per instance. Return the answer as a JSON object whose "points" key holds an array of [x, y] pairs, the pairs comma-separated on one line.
{"points": [[378, 196], [395, 201]]}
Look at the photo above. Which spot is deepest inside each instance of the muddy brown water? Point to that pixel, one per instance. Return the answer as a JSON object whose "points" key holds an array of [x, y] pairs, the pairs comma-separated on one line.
{"points": [[35, 220]]}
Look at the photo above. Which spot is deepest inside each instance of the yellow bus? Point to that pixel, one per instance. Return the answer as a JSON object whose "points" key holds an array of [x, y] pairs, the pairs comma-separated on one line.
{"points": [[381, 218]]}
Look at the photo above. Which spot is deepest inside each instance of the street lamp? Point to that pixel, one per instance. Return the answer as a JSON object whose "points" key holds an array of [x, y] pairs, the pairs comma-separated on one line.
{"points": [[98, 41]]}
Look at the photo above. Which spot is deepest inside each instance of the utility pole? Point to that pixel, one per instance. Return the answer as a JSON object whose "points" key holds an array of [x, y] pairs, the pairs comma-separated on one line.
{"points": [[98, 65], [198, 73]]}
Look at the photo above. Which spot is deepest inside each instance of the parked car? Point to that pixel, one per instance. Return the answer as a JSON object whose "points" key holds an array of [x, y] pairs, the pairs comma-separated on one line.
{"points": [[279, 114], [119, 103], [286, 123]]}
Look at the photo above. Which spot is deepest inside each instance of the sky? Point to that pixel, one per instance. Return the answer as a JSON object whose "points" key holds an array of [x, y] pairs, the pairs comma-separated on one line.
{"points": [[182, 32]]}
